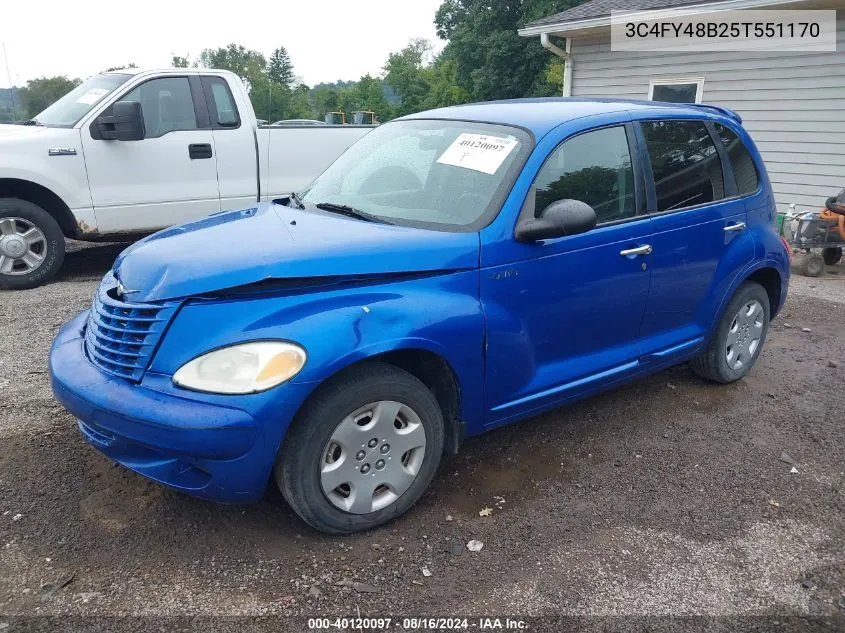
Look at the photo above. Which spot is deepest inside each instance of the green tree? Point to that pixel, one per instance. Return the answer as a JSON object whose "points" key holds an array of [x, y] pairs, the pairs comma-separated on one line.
{"points": [[554, 75], [179, 62], [442, 79], [300, 103], [371, 97], [350, 100], [326, 99], [42, 92], [10, 109], [491, 60], [424, 84], [247, 64], [6, 114], [280, 68], [271, 101], [404, 72]]}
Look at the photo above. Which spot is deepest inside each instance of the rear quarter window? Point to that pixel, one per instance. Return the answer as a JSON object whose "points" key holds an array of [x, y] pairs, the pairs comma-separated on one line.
{"points": [[745, 171], [224, 112]]}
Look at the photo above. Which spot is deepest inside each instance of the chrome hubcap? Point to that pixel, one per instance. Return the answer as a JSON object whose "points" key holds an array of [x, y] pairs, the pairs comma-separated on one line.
{"points": [[373, 457], [744, 335], [23, 246]]}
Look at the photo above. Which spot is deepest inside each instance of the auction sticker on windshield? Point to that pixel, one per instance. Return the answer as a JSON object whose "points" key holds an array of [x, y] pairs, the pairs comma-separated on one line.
{"points": [[478, 152], [92, 96]]}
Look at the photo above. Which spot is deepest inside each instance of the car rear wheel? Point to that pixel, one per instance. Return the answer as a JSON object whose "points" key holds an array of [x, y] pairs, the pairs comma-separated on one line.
{"points": [[362, 451], [735, 345], [32, 247]]}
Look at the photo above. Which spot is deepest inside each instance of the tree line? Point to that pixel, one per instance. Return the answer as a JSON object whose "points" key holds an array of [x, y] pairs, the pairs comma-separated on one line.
{"points": [[483, 59]]}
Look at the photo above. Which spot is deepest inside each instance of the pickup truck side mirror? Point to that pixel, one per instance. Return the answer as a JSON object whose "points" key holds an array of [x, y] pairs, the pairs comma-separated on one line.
{"points": [[559, 219], [125, 123]]}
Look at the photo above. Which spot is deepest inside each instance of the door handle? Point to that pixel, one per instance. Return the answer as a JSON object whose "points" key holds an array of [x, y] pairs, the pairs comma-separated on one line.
{"points": [[640, 250], [739, 226], [199, 150]]}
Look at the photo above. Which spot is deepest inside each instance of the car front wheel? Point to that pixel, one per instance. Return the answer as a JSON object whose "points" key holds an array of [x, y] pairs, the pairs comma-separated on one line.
{"points": [[362, 451]]}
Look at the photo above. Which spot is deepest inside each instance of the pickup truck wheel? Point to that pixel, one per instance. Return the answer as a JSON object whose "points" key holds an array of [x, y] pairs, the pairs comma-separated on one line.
{"points": [[740, 334], [32, 247], [362, 451]]}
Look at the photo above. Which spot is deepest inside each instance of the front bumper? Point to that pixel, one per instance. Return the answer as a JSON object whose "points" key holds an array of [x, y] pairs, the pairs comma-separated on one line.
{"points": [[215, 447]]}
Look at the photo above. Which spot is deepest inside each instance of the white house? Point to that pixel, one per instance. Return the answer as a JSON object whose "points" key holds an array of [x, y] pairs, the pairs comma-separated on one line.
{"points": [[792, 103]]}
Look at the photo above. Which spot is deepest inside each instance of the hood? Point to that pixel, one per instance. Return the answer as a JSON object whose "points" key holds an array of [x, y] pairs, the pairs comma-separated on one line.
{"points": [[271, 241], [34, 141], [20, 131]]}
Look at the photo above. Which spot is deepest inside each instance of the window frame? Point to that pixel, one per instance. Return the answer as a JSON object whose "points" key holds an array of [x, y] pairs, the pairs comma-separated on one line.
{"points": [[698, 81], [211, 106], [651, 188], [640, 188], [727, 158], [197, 99]]}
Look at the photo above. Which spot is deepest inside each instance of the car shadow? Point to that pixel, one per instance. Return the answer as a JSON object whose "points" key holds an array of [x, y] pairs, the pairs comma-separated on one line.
{"points": [[89, 261]]}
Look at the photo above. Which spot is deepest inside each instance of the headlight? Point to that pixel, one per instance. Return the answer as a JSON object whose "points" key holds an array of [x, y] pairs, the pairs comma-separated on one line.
{"points": [[244, 368]]}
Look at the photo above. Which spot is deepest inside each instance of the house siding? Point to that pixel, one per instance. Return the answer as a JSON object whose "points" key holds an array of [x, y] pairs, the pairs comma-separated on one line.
{"points": [[792, 104]]}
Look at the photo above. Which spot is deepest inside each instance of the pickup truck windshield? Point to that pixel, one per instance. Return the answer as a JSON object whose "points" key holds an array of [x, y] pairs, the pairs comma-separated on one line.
{"points": [[79, 101], [437, 174]]}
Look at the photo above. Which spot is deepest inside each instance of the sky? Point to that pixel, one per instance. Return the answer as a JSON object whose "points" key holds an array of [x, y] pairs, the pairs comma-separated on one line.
{"points": [[326, 39]]}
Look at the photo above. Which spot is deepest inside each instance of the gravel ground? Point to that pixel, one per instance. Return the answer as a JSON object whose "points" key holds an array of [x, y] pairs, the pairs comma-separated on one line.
{"points": [[664, 497]]}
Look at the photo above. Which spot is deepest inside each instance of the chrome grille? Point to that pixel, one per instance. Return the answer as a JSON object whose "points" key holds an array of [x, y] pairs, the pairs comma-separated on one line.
{"points": [[120, 337]]}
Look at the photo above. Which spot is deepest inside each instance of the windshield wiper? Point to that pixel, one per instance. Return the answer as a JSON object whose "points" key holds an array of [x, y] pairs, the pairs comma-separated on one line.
{"points": [[296, 200], [31, 122], [350, 212]]}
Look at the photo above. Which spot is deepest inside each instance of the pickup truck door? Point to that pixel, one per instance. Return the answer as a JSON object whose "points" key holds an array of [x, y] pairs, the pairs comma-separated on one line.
{"points": [[167, 178], [563, 315]]}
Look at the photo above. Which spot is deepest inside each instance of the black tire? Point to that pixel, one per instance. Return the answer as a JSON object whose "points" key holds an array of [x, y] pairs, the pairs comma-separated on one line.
{"points": [[53, 244], [812, 265], [832, 255], [297, 470], [712, 362]]}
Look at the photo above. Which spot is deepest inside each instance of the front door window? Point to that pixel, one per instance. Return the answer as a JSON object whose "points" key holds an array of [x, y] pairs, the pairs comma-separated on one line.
{"points": [[595, 168]]}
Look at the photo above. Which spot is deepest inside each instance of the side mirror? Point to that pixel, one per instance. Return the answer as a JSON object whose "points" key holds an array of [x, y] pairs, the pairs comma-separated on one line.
{"points": [[559, 219], [125, 123]]}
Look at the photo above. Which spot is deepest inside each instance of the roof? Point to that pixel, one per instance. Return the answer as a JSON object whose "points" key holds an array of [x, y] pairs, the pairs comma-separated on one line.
{"points": [[602, 8], [597, 12], [541, 115], [165, 71]]}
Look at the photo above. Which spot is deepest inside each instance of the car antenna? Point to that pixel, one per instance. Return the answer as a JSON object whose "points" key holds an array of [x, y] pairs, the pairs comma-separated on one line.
{"points": [[11, 87]]}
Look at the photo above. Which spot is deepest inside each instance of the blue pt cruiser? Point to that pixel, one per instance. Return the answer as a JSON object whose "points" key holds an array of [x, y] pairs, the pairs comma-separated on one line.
{"points": [[454, 271]]}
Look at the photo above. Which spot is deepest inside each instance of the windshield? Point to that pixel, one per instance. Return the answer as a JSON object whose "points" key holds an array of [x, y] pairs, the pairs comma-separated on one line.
{"points": [[447, 175], [79, 101]]}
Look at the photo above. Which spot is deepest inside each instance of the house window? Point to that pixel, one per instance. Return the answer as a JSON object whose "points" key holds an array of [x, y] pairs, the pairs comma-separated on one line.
{"points": [[688, 90]]}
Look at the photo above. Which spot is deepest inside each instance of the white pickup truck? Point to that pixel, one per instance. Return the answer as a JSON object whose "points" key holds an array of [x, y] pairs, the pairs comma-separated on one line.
{"points": [[127, 153]]}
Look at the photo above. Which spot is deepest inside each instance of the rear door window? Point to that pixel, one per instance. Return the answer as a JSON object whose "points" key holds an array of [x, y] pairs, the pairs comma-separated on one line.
{"points": [[686, 166], [745, 172]]}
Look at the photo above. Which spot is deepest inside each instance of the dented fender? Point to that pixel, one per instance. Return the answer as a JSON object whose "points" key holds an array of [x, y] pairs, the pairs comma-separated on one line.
{"points": [[339, 327]]}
